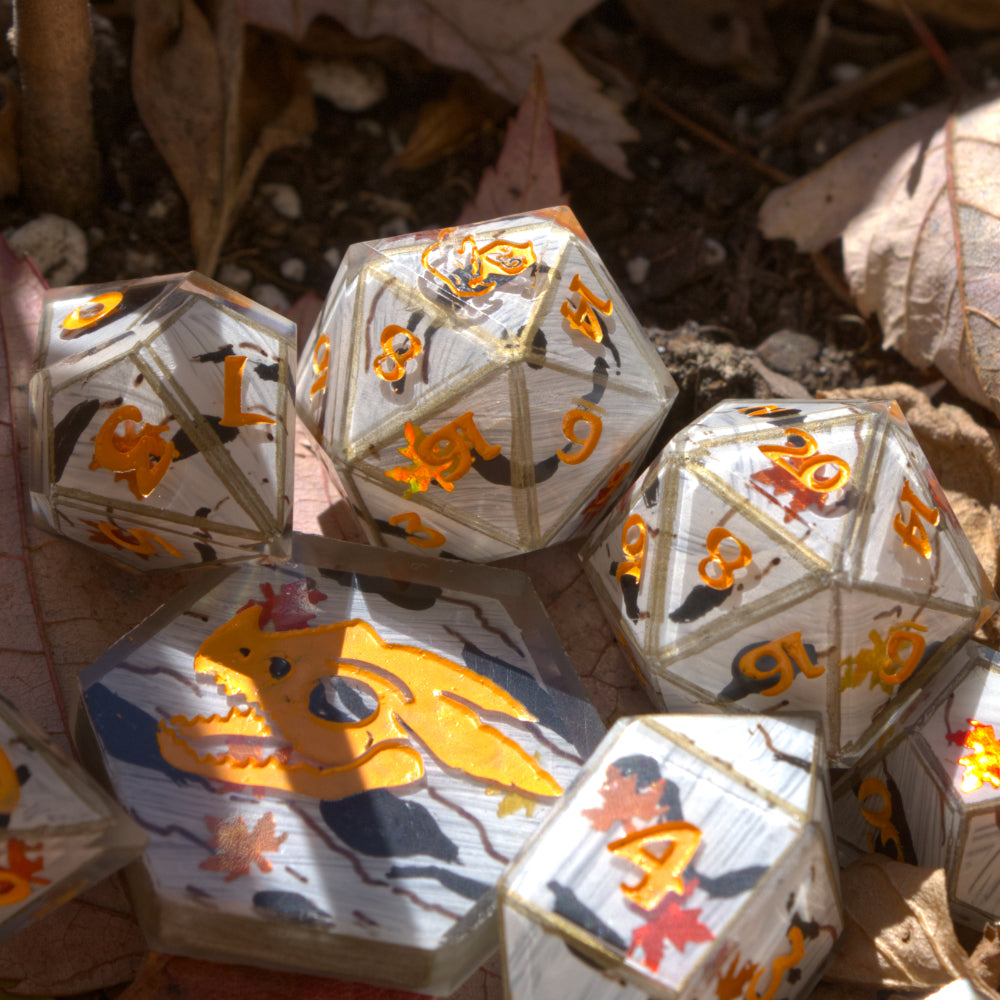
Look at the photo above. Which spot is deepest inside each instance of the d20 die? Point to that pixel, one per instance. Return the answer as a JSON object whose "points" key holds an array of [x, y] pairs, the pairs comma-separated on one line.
{"points": [[692, 858], [339, 756], [483, 390], [162, 421], [790, 554], [930, 796], [59, 832]]}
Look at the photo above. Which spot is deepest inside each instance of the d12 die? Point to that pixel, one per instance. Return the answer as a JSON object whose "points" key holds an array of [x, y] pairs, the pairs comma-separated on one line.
{"points": [[59, 832], [794, 555], [483, 390], [162, 421], [338, 756], [930, 796], [692, 858]]}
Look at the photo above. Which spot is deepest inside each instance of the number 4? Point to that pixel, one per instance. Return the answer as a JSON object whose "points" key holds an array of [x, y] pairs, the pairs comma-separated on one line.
{"points": [[913, 532]]}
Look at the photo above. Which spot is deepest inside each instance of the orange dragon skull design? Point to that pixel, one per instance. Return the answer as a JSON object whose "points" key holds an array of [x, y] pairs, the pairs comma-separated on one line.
{"points": [[470, 271], [421, 702]]}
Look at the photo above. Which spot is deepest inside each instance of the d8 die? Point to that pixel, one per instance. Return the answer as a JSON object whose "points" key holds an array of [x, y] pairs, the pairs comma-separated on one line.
{"points": [[163, 425], [338, 756], [794, 555], [930, 796], [692, 858], [59, 832], [483, 390]]}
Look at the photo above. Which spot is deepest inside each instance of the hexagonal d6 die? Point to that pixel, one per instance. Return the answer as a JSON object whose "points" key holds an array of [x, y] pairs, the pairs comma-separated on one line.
{"points": [[482, 391], [339, 756], [162, 421], [692, 858], [930, 796], [795, 554], [59, 832]]}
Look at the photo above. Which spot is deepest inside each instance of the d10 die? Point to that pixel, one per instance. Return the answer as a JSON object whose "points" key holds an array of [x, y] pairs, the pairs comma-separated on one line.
{"points": [[59, 832], [483, 390], [930, 797], [794, 555], [338, 757], [692, 858], [162, 420]]}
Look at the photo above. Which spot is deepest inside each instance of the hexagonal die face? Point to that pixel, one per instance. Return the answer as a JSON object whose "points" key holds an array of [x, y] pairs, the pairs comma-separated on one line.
{"points": [[339, 756], [930, 797], [162, 413], [488, 382], [790, 554], [691, 853], [59, 832]]}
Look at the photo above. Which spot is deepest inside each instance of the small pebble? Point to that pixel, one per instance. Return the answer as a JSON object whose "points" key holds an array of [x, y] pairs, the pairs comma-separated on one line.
{"points": [[844, 72], [348, 85], [142, 263], [713, 253], [788, 352], [395, 226], [56, 245], [284, 200], [235, 276], [637, 269], [293, 269], [271, 297], [333, 257], [159, 209]]}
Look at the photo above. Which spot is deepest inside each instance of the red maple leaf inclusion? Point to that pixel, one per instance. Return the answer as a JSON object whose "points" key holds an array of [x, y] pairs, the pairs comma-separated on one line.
{"points": [[670, 921], [292, 608], [623, 804], [782, 481]]}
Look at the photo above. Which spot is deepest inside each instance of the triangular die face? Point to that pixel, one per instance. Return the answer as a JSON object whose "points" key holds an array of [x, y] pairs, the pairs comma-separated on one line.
{"points": [[460, 460], [718, 567], [805, 480], [910, 538], [886, 646], [586, 325], [579, 429], [404, 357]]}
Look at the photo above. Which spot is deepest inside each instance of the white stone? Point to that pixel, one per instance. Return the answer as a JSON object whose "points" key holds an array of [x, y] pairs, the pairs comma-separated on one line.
{"points": [[293, 269], [638, 269], [284, 199], [270, 296], [235, 276], [349, 85]]}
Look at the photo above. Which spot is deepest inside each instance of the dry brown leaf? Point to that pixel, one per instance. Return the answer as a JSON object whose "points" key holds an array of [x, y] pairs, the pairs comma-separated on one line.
{"points": [[214, 123], [965, 456], [898, 932], [443, 126], [918, 205], [986, 957], [526, 176], [499, 46]]}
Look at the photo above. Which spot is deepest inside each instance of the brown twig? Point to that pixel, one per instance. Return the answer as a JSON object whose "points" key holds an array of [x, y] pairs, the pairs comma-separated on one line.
{"points": [[934, 49]]}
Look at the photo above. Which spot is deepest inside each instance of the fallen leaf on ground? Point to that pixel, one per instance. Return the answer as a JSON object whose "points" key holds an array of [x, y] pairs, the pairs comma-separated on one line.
{"points": [[965, 456], [215, 123], [499, 46], [918, 205], [898, 932], [526, 176]]}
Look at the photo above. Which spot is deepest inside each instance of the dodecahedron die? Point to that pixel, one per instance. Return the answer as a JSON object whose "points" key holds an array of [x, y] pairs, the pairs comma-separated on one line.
{"points": [[790, 554], [163, 420], [59, 832], [482, 390], [691, 858], [337, 757], [930, 796]]}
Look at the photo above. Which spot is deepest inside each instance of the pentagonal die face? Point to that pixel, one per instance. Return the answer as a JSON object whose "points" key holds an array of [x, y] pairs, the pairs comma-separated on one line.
{"points": [[693, 858], [59, 833], [790, 554], [931, 797], [338, 757], [483, 390], [162, 415]]}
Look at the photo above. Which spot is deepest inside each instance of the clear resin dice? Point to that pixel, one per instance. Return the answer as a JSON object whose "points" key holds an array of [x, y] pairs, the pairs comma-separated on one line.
{"points": [[336, 758], [790, 554], [59, 832], [931, 796], [484, 390], [162, 421], [692, 858]]}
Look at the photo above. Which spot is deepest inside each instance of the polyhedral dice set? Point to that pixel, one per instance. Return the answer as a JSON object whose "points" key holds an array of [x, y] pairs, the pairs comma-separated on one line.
{"points": [[345, 753]]}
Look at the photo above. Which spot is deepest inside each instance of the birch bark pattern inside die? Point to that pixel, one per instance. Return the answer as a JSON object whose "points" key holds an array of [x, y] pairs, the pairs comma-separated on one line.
{"points": [[338, 756], [162, 412], [692, 858], [794, 555], [481, 391]]}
